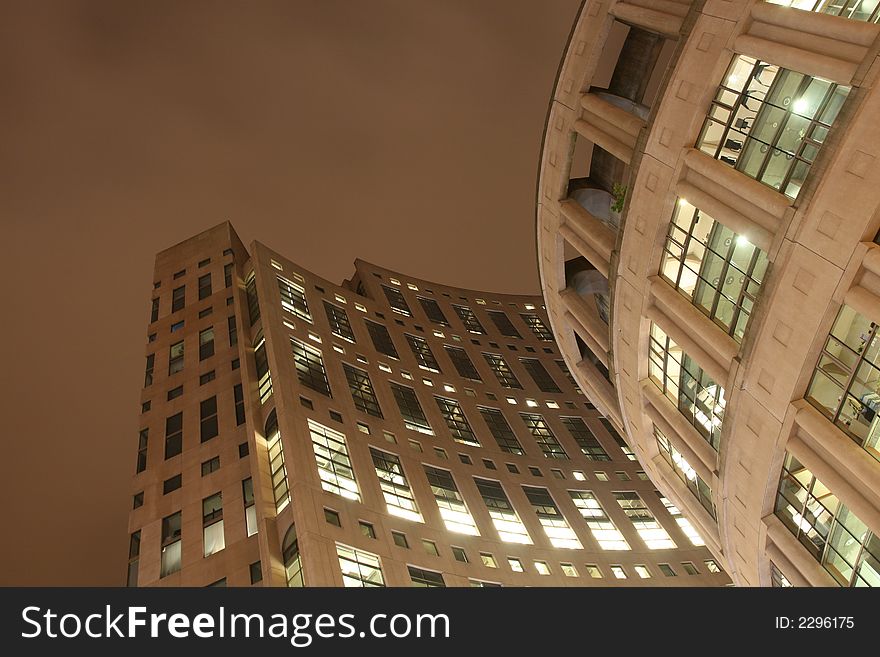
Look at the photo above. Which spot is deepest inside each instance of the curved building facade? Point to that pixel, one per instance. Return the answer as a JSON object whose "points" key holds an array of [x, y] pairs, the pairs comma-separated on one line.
{"points": [[707, 222], [388, 431]]}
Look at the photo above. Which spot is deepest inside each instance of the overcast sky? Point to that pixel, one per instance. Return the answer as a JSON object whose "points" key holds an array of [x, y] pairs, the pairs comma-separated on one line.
{"points": [[406, 133]]}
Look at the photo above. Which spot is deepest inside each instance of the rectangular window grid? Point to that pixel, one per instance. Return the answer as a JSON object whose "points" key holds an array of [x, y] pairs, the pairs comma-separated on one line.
{"points": [[334, 463], [770, 122], [694, 393]]}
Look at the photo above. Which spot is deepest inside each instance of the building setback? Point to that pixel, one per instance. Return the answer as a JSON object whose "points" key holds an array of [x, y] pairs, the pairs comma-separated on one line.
{"points": [[386, 431], [707, 238]]}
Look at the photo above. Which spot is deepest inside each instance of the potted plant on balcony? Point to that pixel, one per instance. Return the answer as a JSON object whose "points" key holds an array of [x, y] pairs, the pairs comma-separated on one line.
{"points": [[618, 198]]}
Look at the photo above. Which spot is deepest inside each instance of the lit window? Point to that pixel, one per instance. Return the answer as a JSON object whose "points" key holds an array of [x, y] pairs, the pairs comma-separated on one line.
{"points": [[678, 376], [395, 488], [537, 326], [359, 568], [833, 535], [469, 319], [844, 385], [542, 567], [423, 354], [504, 517], [515, 565], [293, 298], [502, 372], [453, 509], [568, 570], [170, 546], [277, 469], [618, 572], [593, 571], [650, 531], [456, 421], [334, 464], [212, 524], [769, 122], [585, 439], [685, 472], [397, 301], [601, 526], [684, 524], [544, 436], [250, 508], [555, 525], [642, 572], [719, 271], [488, 560]]}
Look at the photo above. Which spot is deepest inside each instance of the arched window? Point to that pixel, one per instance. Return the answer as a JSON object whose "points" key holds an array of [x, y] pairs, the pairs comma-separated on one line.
{"points": [[277, 470], [292, 560]]}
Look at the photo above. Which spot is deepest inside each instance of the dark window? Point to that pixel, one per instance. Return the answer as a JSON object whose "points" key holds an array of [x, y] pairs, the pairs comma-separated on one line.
{"points": [[143, 438], [204, 286], [400, 540], [238, 394], [501, 430], [208, 418], [462, 362], [362, 390], [211, 465], [503, 324], [206, 343], [178, 298], [469, 319], [397, 300], [179, 274], [253, 302], [422, 351], [433, 311], [137, 500], [367, 529], [227, 274], [243, 450], [410, 409], [173, 435], [148, 374], [504, 374], [428, 578], [174, 393], [339, 324], [207, 311], [172, 484], [134, 551], [332, 517], [154, 310], [589, 444], [538, 327], [539, 374], [232, 327], [310, 367], [567, 372], [256, 572], [381, 339]]}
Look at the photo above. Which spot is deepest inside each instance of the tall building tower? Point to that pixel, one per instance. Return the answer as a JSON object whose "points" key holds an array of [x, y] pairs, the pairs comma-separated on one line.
{"points": [[386, 432], [707, 226]]}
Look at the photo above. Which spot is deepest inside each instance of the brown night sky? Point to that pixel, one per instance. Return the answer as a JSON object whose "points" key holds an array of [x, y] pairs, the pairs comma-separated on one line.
{"points": [[403, 132]]}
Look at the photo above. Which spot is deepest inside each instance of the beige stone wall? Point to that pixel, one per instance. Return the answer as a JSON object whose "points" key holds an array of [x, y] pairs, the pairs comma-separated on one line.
{"points": [[817, 245]]}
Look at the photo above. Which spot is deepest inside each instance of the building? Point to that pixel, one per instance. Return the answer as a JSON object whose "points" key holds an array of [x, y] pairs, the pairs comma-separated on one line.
{"points": [[388, 431], [707, 223]]}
